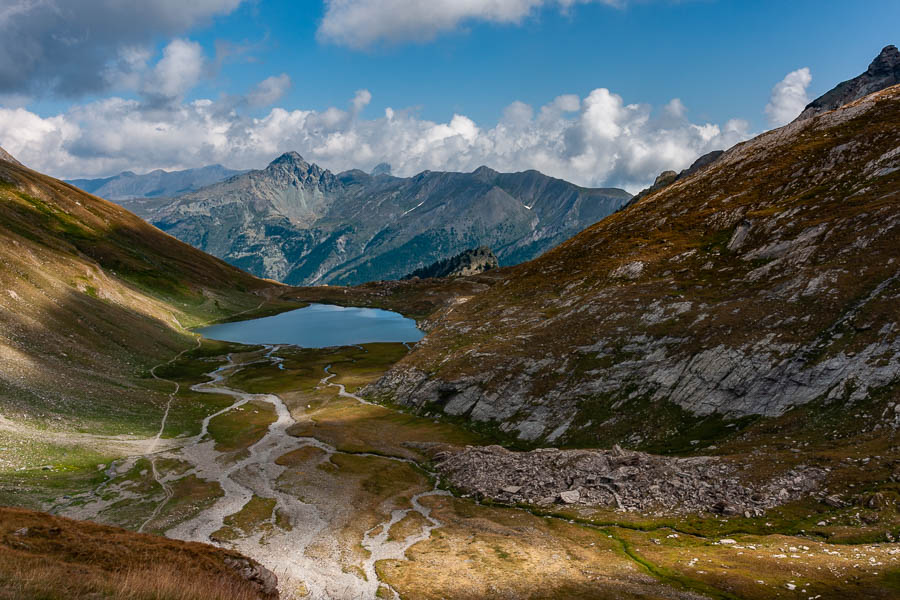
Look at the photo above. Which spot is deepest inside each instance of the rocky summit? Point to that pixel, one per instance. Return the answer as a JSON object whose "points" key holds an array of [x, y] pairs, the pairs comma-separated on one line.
{"points": [[765, 282], [296, 222], [882, 73]]}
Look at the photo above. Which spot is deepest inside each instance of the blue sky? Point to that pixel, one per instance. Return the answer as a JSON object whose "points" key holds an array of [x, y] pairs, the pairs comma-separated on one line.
{"points": [[721, 58], [450, 72]]}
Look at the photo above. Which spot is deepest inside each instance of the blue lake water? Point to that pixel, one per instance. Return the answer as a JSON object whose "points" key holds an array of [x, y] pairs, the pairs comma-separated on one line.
{"points": [[319, 326]]}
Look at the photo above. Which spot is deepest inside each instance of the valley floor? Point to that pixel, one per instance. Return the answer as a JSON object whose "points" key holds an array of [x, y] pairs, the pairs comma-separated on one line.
{"points": [[338, 497]]}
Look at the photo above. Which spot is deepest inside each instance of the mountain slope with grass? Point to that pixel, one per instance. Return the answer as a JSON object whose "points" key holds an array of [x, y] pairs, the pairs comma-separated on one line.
{"points": [[296, 222], [91, 298], [93, 301], [760, 289], [54, 557]]}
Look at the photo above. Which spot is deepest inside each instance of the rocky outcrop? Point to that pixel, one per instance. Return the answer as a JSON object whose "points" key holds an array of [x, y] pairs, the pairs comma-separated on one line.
{"points": [[667, 178], [298, 223], [765, 281], [469, 262], [881, 74], [260, 578], [621, 479]]}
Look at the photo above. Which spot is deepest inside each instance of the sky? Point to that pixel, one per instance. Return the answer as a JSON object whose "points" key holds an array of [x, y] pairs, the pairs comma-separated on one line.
{"points": [[598, 92]]}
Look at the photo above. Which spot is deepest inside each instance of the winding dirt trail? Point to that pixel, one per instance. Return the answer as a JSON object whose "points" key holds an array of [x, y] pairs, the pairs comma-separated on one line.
{"points": [[154, 442]]}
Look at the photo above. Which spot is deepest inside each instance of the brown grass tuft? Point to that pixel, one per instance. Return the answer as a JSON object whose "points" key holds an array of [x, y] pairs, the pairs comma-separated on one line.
{"points": [[46, 557]]}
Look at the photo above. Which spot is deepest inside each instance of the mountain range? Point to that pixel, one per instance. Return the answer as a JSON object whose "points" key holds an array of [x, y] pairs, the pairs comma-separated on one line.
{"points": [[156, 184], [298, 223]]}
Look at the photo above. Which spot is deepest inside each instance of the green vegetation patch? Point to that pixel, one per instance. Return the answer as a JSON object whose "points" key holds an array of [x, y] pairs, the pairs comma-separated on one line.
{"points": [[35, 472], [255, 515], [241, 427]]}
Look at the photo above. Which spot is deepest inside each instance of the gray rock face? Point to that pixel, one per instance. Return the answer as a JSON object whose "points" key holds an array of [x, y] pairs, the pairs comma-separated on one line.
{"points": [[155, 184], [264, 580], [882, 73], [664, 179], [622, 479], [300, 224], [470, 262]]}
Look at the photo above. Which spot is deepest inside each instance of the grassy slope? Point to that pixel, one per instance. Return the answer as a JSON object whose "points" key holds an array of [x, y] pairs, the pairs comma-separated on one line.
{"points": [[90, 298], [783, 183], [554, 327], [53, 557]]}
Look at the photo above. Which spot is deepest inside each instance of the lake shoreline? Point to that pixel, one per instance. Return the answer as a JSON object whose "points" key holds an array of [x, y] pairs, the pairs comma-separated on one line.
{"points": [[319, 326]]}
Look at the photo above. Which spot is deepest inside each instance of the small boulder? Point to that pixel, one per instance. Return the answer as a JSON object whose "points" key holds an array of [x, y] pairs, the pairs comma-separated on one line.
{"points": [[570, 496], [725, 508], [834, 501]]}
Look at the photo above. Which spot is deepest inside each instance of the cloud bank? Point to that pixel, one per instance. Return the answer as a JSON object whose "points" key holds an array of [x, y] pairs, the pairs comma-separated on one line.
{"points": [[789, 97], [72, 48], [363, 23], [596, 140]]}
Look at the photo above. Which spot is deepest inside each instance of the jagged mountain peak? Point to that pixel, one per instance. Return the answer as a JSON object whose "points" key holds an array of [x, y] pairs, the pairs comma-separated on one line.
{"points": [[883, 72], [293, 160], [888, 61], [302, 224], [292, 157]]}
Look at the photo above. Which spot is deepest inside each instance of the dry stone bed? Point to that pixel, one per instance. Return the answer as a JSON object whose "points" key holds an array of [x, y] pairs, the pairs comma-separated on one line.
{"points": [[619, 478]]}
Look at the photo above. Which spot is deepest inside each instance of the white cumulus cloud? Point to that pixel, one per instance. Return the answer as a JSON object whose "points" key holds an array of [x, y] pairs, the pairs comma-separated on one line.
{"points": [[362, 23], [178, 71], [789, 97], [269, 90], [596, 140]]}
